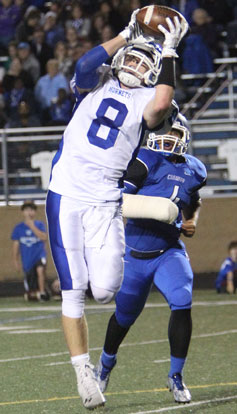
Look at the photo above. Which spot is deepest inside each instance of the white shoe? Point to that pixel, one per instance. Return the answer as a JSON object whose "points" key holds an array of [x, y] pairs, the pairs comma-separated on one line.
{"points": [[180, 391], [88, 387]]}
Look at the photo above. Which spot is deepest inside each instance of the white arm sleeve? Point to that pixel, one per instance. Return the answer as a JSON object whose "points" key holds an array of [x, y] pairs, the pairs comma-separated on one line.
{"points": [[148, 207]]}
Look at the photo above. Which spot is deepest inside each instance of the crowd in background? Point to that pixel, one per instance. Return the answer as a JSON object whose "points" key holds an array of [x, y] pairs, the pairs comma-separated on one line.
{"points": [[41, 41]]}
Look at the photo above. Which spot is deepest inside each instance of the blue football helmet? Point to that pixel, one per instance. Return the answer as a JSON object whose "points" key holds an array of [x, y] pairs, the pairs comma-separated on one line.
{"points": [[175, 141]]}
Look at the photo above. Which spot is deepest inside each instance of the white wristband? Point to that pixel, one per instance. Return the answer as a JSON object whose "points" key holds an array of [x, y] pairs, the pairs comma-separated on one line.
{"points": [[168, 52]]}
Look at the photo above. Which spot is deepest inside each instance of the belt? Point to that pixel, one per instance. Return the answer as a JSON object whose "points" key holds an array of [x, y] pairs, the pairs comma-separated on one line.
{"points": [[146, 255]]}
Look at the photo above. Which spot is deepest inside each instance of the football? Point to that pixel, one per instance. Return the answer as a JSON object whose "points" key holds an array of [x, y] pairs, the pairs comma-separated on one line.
{"points": [[150, 17]]}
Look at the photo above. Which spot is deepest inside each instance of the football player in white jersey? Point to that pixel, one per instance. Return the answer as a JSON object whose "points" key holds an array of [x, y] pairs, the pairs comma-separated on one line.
{"points": [[114, 104]]}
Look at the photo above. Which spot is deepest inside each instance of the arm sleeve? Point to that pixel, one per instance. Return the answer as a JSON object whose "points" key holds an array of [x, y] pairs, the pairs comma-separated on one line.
{"points": [[135, 177], [86, 75], [15, 235]]}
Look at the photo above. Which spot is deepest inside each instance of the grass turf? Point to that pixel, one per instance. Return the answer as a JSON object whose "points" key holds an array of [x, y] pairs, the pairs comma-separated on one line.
{"points": [[36, 376]]}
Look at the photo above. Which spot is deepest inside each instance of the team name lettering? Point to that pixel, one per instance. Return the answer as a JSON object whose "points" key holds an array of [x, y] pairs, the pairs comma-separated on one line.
{"points": [[176, 178], [29, 241], [120, 92]]}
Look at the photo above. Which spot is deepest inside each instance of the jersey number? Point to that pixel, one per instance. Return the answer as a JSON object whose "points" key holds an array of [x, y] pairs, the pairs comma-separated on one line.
{"points": [[109, 126], [174, 197]]}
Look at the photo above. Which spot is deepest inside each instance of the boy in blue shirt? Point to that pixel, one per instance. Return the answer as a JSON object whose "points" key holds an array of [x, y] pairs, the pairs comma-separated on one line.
{"points": [[226, 275], [29, 251]]}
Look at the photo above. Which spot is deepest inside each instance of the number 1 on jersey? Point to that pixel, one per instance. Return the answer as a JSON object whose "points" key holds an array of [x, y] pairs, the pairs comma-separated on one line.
{"points": [[174, 197]]}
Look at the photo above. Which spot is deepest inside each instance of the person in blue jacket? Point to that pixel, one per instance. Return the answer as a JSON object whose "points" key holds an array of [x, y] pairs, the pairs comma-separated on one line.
{"points": [[29, 252], [154, 251], [227, 273]]}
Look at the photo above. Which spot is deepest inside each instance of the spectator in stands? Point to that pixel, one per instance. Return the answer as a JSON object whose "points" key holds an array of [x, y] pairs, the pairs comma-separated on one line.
{"points": [[79, 20], [29, 252], [12, 53], [220, 11], [71, 35], [25, 29], [42, 51], [62, 56], [130, 7], [57, 7], [53, 31], [25, 117], [29, 62], [17, 94], [107, 33], [15, 70], [97, 24], [227, 276], [61, 109], [46, 89], [112, 15], [9, 17], [189, 7], [203, 26], [196, 56]]}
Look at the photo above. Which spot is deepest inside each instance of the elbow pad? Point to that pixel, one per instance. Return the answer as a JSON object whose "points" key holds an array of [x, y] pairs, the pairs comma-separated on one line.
{"points": [[148, 207]]}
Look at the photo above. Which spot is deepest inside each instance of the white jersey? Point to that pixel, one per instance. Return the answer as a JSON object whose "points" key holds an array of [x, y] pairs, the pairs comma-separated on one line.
{"points": [[99, 141]]}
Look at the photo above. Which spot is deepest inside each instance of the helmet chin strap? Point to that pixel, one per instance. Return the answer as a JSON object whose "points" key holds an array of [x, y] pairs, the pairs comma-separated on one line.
{"points": [[128, 79]]}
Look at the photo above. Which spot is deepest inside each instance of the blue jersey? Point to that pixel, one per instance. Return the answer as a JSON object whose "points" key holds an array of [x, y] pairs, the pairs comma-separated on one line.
{"points": [[153, 174], [227, 266], [32, 249]]}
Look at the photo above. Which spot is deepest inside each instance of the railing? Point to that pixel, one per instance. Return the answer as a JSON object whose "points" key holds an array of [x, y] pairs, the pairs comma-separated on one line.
{"points": [[224, 76], [215, 143], [26, 155]]}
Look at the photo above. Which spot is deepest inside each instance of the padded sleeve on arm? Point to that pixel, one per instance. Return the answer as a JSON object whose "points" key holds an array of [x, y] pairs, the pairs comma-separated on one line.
{"points": [[86, 76], [136, 175]]}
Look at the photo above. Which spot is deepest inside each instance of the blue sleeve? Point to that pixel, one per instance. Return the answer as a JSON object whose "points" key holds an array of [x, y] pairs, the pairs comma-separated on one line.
{"points": [[199, 171], [227, 266], [86, 75], [15, 234]]}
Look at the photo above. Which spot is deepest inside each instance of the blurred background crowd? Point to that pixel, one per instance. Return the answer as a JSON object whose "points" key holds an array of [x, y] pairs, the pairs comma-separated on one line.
{"points": [[40, 42]]}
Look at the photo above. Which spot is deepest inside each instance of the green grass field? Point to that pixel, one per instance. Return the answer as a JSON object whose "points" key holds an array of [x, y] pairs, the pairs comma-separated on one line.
{"points": [[37, 378]]}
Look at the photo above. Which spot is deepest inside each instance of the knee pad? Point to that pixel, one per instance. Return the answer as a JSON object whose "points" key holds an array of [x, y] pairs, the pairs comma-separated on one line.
{"points": [[73, 303], [181, 299], [102, 295]]}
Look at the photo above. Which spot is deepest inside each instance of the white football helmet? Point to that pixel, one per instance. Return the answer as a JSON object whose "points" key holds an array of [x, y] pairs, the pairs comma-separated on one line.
{"points": [[148, 53], [174, 142]]}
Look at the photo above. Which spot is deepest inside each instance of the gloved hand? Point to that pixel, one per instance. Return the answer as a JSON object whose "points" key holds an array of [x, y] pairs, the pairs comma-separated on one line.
{"points": [[173, 36], [132, 31]]}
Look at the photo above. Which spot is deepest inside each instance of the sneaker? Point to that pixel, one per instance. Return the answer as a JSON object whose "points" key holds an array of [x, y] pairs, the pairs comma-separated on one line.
{"points": [[88, 387], [26, 297], [180, 391], [43, 297], [102, 374]]}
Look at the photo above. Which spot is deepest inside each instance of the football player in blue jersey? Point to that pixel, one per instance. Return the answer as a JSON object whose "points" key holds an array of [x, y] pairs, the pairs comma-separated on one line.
{"points": [[154, 251], [227, 274], [114, 104], [29, 251]]}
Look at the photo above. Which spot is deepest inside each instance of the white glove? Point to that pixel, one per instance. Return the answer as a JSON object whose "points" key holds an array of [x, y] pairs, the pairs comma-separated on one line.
{"points": [[142, 39], [172, 36], [132, 31]]}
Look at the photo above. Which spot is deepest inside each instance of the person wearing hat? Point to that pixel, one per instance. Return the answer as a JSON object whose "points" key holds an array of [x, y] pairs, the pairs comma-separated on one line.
{"points": [[29, 252], [28, 60]]}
